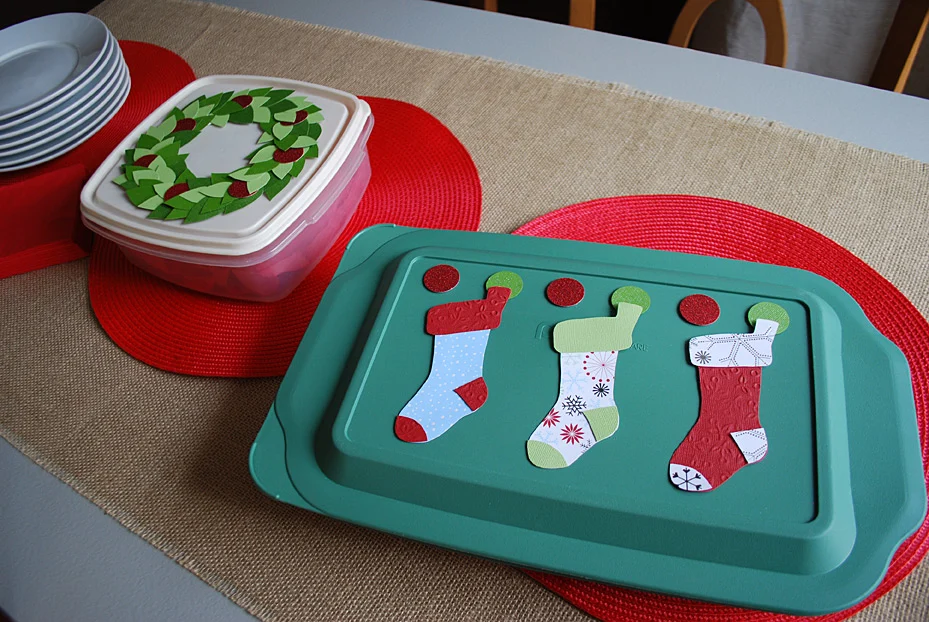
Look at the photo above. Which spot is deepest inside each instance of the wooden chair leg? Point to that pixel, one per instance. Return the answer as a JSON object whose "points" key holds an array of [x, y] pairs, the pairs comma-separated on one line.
{"points": [[583, 13], [772, 18], [487, 5], [906, 34]]}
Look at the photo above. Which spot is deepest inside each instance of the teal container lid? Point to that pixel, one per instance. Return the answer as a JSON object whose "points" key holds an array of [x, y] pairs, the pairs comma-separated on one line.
{"points": [[808, 530]]}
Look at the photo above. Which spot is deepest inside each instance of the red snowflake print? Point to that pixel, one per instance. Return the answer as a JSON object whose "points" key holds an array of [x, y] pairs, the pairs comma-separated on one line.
{"points": [[601, 366], [551, 419], [572, 433]]}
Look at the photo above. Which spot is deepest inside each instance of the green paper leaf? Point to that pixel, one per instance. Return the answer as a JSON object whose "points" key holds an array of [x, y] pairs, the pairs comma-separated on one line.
{"points": [[263, 154], [262, 115], [183, 137], [238, 204], [138, 196], [260, 167], [281, 170], [316, 117], [256, 184], [212, 206], [265, 137], [162, 188], [228, 199], [312, 109], [176, 114], [241, 174], [298, 166], [177, 214], [163, 144], [230, 107], [179, 202], [278, 95], [312, 152], [199, 182], [166, 175], [313, 130], [274, 187], [288, 116], [216, 190], [151, 203], [259, 102], [147, 142], [160, 212], [165, 128], [186, 177], [288, 141], [303, 141], [122, 179], [145, 174], [206, 110], [243, 117], [193, 195], [280, 131], [260, 92], [220, 120], [281, 106], [191, 110]]}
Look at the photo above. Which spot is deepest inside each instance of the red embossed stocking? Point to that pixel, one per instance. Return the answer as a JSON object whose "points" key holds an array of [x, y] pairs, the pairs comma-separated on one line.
{"points": [[455, 386], [728, 433]]}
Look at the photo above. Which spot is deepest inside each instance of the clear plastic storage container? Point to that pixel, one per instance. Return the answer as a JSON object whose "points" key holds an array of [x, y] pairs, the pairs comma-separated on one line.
{"points": [[263, 250]]}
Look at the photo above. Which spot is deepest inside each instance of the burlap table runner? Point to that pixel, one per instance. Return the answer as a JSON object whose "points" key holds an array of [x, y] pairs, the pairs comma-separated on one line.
{"points": [[167, 455]]}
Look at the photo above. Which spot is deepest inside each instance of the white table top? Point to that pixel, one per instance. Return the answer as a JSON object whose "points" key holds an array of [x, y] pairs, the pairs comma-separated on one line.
{"points": [[62, 558]]}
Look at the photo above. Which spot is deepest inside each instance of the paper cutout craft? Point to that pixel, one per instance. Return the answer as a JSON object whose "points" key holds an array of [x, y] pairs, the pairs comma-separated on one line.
{"points": [[455, 387], [510, 280], [564, 292], [699, 309], [585, 412], [155, 173], [440, 279], [728, 434]]}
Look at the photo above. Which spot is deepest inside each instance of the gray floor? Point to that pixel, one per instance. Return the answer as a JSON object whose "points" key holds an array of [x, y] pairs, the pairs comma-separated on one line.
{"points": [[62, 558]]}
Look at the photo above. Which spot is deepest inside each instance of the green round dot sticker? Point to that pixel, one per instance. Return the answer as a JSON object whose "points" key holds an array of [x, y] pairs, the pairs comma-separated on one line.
{"points": [[633, 295], [769, 311], [510, 280]]}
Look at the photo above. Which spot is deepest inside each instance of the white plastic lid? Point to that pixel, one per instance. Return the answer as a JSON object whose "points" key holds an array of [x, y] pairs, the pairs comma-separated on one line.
{"points": [[223, 150]]}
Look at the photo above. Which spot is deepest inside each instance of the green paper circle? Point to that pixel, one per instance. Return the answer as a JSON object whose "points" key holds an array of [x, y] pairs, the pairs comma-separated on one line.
{"points": [[769, 311], [510, 280], [632, 295]]}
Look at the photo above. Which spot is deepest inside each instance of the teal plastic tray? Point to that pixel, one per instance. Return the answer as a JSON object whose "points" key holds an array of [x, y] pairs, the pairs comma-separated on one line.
{"points": [[808, 530]]}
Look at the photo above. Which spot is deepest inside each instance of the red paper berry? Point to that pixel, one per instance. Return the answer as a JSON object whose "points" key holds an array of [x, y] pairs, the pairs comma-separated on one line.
{"points": [[441, 278], [175, 190], [565, 292], [145, 160], [699, 309], [243, 100], [291, 155], [301, 115], [239, 190], [184, 125]]}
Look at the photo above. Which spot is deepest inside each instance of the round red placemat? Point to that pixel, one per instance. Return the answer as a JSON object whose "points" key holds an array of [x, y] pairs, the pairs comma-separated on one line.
{"points": [[156, 75], [707, 226], [421, 176]]}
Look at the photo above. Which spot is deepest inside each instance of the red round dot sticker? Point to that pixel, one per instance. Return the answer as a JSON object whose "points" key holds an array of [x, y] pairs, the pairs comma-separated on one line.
{"points": [[441, 278], [565, 292], [699, 309]]}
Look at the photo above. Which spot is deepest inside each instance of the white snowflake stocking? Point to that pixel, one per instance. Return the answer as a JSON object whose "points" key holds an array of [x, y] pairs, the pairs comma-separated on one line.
{"points": [[585, 412]]}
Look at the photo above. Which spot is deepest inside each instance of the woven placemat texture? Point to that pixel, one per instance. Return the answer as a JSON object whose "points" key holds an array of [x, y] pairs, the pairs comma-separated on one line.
{"points": [[167, 455]]}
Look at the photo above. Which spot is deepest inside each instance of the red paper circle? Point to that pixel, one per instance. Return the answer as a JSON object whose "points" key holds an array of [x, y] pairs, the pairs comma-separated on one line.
{"points": [[699, 309], [564, 292], [707, 226], [441, 278], [421, 176]]}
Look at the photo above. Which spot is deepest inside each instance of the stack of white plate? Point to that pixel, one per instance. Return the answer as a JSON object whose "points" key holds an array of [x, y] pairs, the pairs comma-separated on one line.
{"points": [[62, 77]]}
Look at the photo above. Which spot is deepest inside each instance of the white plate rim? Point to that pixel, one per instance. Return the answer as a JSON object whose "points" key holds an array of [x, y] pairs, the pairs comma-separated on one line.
{"points": [[74, 79], [87, 133], [54, 123]]}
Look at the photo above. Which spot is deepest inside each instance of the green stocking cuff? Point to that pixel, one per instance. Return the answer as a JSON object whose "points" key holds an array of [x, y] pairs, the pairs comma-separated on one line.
{"points": [[598, 334]]}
